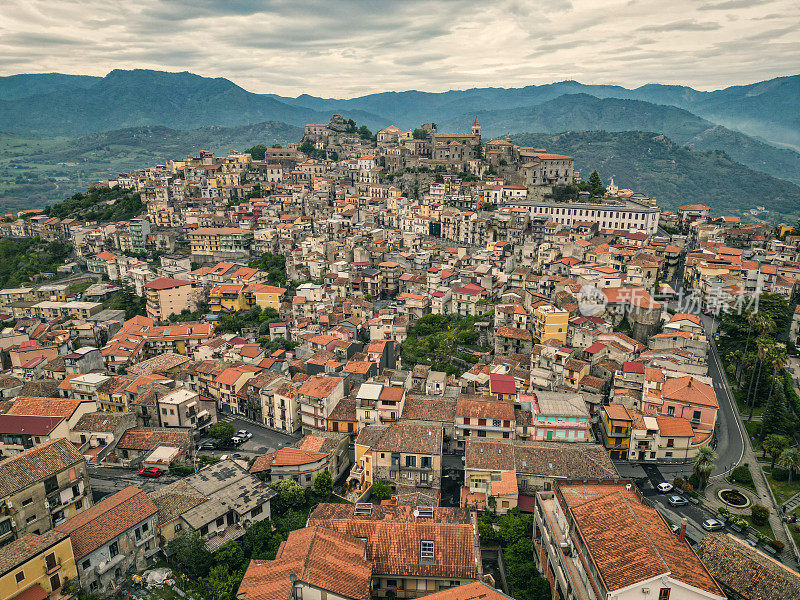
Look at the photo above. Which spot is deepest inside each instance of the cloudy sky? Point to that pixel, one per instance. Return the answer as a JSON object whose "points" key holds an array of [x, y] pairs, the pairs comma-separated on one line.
{"points": [[345, 48]]}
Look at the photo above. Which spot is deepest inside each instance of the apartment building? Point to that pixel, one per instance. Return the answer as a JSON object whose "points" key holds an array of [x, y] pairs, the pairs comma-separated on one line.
{"points": [[36, 566], [439, 548], [482, 418], [116, 535], [42, 487], [317, 398], [166, 296], [550, 323], [600, 540], [185, 408], [220, 243]]}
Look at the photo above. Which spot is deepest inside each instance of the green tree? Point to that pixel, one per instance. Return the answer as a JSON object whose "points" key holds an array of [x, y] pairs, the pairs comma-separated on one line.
{"points": [[364, 133], [596, 184], [258, 152], [222, 582], [307, 147], [291, 496], [277, 146], [704, 465], [790, 459], [188, 553], [323, 485], [774, 445], [759, 514], [380, 491], [232, 555], [221, 431]]}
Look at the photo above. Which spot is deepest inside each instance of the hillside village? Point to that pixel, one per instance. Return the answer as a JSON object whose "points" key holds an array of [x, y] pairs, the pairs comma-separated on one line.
{"points": [[366, 366]]}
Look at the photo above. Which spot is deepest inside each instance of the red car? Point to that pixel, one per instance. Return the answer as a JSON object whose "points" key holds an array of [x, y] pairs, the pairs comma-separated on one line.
{"points": [[151, 472]]}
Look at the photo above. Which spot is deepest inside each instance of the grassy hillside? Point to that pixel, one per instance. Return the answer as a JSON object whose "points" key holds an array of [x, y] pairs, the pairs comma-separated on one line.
{"points": [[36, 172], [581, 112], [653, 164]]}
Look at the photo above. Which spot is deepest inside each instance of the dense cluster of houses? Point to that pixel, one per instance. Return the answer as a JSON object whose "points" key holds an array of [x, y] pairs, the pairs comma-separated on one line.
{"points": [[584, 353]]}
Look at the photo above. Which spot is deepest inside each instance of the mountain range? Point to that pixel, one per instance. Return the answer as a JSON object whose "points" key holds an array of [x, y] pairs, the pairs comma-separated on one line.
{"points": [[153, 112]]}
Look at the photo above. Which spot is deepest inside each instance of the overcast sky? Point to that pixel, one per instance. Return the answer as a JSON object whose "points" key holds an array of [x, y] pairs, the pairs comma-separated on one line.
{"points": [[345, 48]]}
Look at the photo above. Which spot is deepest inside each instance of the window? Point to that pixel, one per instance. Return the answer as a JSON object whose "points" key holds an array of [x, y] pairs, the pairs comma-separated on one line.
{"points": [[113, 549], [481, 433], [496, 422], [30, 519], [145, 527], [663, 594], [256, 511], [178, 527], [411, 461], [426, 462], [50, 561], [670, 443], [671, 411], [27, 501], [20, 576], [220, 521], [426, 550], [86, 564]]}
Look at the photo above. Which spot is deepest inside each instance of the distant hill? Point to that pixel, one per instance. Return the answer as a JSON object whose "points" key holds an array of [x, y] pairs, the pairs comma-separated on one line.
{"points": [[582, 112], [23, 86], [767, 109], [36, 172], [653, 164], [137, 98]]}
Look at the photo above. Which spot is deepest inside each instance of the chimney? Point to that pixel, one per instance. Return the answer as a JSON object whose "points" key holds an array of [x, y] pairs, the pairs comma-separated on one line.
{"points": [[683, 530]]}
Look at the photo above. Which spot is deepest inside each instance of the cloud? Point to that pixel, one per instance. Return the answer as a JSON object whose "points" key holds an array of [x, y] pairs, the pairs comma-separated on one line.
{"points": [[344, 48], [684, 25], [732, 4]]}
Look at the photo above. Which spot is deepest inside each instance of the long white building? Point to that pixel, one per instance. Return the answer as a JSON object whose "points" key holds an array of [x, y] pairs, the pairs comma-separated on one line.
{"points": [[629, 216]]}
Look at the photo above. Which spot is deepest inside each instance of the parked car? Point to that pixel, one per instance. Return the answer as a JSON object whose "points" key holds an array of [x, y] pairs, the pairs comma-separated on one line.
{"points": [[236, 440], [151, 472], [713, 525], [207, 446], [243, 433], [678, 501], [664, 487]]}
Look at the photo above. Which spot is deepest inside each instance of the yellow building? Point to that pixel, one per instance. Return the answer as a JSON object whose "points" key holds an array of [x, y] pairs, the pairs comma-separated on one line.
{"points": [[36, 567], [550, 323], [616, 428], [233, 297]]}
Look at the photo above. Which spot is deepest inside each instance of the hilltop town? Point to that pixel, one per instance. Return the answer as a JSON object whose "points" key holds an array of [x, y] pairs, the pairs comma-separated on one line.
{"points": [[414, 364]]}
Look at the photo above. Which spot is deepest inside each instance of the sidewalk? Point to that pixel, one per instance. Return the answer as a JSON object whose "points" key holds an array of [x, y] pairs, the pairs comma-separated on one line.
{"points": [[789, 555]]}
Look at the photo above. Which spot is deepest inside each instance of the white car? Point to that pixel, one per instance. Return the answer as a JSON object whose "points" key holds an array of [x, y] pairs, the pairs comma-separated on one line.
{"points": [[244, 434], [713, 525], [664, 487]]}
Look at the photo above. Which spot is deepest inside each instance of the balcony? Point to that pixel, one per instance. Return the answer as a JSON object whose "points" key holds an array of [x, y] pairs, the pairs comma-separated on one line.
{"points": [[109, 564]]}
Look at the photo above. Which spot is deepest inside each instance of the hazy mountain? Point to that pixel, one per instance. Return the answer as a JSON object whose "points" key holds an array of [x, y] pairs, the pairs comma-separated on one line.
{"points": [[581, 112], [139, 98], [36, 172], [653, 164], [24, 86], [768, 109]]}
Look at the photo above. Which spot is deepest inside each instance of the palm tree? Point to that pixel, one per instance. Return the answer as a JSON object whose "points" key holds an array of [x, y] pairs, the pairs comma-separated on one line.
{"points": [[751, 319], [790, 459], [704, 464], [763, 345]]}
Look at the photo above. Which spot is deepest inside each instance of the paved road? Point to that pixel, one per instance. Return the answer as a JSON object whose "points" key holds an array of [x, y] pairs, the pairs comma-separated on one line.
{"points": [[107, 480], [730, 429], [264, 440]]}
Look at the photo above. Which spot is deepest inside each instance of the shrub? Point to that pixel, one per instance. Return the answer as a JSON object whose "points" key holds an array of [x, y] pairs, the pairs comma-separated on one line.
{"points": [[688, 487], [760, 514], [742, 475], [777, 544], [678, 482]]}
